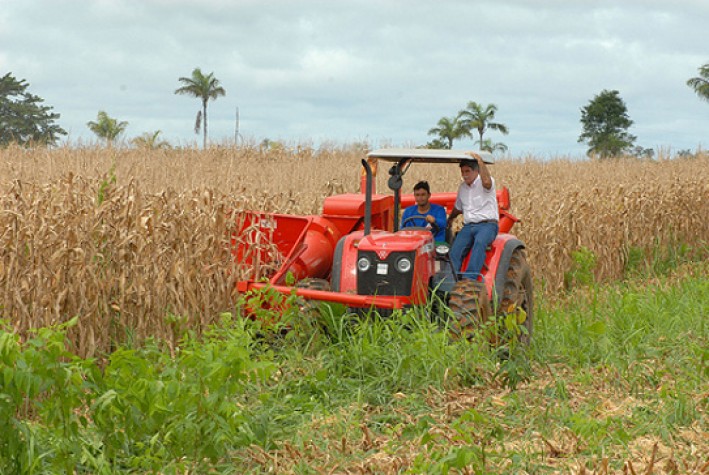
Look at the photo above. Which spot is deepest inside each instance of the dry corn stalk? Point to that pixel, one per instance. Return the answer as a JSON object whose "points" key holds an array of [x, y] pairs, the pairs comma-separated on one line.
{"points": [[152, 237]]}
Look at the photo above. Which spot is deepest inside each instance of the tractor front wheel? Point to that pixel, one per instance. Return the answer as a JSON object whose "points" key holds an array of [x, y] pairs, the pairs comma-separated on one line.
{"points": [[311, 307], [313, 284]]}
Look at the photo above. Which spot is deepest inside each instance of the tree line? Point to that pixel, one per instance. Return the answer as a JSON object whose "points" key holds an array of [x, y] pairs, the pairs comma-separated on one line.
{"points": [[25, 120], [605, 124]]}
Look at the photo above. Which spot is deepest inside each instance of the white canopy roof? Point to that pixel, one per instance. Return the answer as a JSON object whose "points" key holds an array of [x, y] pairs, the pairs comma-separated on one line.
{"points": [[428, 155]]}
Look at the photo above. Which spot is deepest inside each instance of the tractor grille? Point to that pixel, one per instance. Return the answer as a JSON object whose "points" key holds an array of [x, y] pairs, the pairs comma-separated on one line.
{"points": [[382, 278]]}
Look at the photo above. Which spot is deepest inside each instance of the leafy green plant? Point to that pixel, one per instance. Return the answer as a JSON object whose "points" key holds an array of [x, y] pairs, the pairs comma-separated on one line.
{"points": [[156, 407], [42, 389], [581, 272], [660, 260], [106, 182], [145, 411], [634, 261]]}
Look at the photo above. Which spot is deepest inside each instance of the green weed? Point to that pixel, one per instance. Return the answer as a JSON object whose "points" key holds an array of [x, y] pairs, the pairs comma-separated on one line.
{"points": [[320, 389], [582, 268]]}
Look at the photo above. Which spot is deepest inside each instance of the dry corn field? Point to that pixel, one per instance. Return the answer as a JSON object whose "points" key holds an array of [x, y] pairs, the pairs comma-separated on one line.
{"points": [[124, 238]]}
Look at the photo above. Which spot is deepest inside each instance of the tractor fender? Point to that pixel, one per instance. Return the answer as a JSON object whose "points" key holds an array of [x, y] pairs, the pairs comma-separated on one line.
{"points": [[504, 263]]}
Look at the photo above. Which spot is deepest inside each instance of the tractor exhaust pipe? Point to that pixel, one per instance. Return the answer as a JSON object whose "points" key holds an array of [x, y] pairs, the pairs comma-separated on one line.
{"points": [[367, 199]]}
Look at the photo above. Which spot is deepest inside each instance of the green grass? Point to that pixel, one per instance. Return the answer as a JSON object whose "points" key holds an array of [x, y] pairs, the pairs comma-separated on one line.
{"points": [[614, 374], [612, 370]]}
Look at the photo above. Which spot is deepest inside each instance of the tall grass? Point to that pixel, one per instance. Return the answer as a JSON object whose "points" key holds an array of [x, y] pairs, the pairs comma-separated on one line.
{"points": [[618, 385]]}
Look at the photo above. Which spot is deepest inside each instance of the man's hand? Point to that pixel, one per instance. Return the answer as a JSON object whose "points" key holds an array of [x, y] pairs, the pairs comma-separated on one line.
{"points": [[484, 173], [430, 219], [454, 214]]}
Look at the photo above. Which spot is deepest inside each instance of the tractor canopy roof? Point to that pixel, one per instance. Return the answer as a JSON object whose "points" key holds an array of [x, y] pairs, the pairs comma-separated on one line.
{"points": [[425, 155]]}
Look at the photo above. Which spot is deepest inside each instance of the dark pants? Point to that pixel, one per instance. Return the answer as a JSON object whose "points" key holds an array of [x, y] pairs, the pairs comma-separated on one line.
{"points": [[477, 236]]}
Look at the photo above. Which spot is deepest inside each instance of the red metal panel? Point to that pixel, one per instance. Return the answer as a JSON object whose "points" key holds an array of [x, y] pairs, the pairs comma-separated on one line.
{"points": [[385, 243], [346, 211]]}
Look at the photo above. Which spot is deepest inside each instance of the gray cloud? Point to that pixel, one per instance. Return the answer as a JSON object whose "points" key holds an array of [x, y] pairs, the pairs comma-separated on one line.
{"points": [[364, 70]]}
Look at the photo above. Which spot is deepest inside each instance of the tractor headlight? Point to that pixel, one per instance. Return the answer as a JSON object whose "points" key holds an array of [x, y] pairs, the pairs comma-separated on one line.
{"points": [[442, 249], [403, 264], [363, 264]]}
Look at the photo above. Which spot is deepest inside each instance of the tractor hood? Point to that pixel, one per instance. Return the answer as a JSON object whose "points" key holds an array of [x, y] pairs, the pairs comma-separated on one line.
{"points": [[383, 243]]}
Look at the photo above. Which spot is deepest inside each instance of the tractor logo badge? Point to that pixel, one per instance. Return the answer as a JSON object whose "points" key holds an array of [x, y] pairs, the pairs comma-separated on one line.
{"points": [[382, 255]]}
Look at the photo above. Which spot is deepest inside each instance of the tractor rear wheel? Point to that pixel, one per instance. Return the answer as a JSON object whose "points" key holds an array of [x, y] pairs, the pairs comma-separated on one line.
{"points": [[470, 307], [517, 294]]}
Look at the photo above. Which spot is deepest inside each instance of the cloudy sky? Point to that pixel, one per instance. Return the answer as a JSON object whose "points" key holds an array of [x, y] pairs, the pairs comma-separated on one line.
{"points": [[378, 71]]}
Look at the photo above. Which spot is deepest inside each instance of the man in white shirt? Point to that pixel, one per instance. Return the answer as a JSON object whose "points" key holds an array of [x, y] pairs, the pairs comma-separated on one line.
{"points": [[477, 202]]}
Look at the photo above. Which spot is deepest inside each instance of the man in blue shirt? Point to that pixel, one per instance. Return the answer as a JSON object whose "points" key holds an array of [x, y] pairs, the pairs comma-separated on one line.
{"points": [[425, 214]]}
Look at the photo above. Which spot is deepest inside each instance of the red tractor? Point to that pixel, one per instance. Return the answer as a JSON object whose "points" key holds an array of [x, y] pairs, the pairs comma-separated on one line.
{"points": [[354, 252]]}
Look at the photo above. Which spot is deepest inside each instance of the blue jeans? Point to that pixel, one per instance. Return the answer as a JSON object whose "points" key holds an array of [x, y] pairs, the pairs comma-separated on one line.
{"points": [[478, 237]]}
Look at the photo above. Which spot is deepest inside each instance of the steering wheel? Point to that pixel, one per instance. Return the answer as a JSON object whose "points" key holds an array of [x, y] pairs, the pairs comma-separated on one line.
{"points": [[434, 226]]}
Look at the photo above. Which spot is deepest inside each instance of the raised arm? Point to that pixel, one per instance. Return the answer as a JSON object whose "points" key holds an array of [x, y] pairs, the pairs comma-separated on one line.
{"points": [[484, 174]]}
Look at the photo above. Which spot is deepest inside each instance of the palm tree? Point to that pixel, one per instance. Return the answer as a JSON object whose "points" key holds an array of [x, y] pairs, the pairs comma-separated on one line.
{"points": [[106, 127], [204, 88], [436, 144], [150, 141], [701, 84], [475, 117], [447, 130], [491, 147]]}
